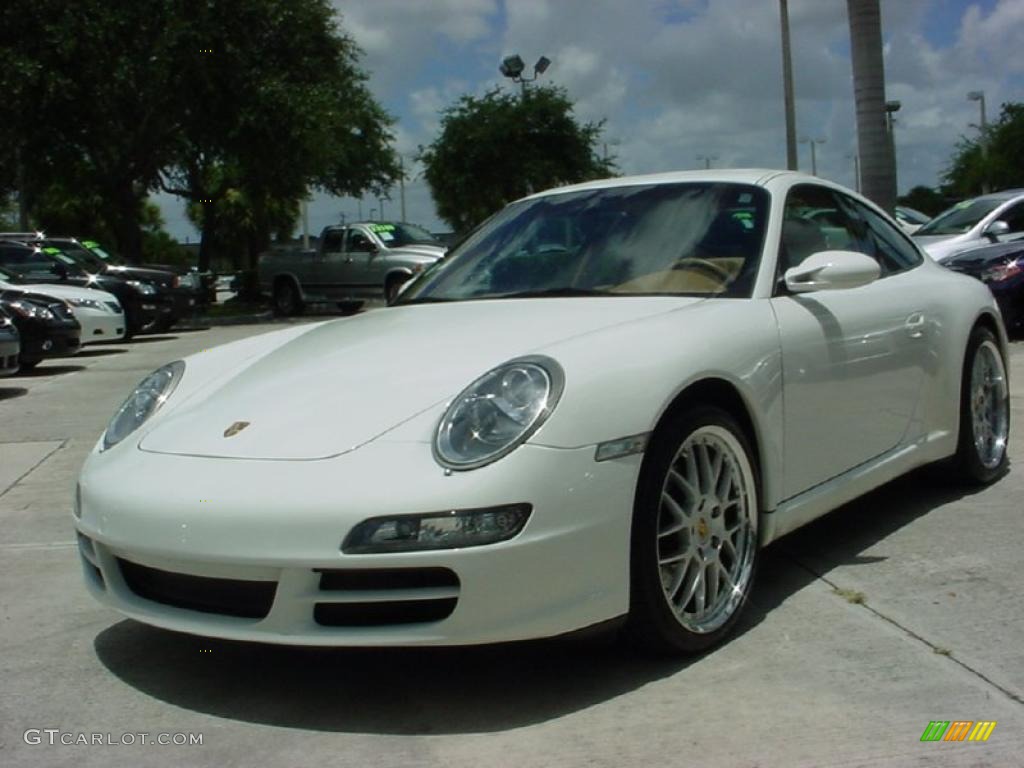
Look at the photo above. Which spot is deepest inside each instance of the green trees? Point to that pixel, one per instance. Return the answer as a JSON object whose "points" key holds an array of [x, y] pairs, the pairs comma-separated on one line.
{"points": [[494, 149], [210, 100], [995, 159]]}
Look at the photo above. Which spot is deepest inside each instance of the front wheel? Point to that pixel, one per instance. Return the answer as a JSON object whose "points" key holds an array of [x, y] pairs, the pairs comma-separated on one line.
{"points": [[694, 543], [287, 300], [984, 411]]}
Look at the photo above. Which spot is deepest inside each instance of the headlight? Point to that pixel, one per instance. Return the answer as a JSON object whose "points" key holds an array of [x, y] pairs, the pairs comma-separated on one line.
{"points": [[498, 412], [146, 400], [454, 529], [29, 309], [144, 288], [88, 303]]}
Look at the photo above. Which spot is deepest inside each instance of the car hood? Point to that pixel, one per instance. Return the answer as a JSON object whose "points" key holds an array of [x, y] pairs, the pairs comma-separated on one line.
{"points": [[344, 383], [61, 291], [423, 251]]}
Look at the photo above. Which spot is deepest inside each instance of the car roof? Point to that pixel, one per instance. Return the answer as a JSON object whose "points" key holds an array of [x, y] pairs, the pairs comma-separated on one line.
{"points": [[755, 176]]}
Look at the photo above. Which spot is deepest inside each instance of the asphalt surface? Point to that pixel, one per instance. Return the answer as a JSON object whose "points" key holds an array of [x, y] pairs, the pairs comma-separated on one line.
{"points": [[904, 607]]}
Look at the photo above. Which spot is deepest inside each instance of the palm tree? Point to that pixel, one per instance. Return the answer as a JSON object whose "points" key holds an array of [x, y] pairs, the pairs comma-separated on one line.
{"points": [[877, 162]]}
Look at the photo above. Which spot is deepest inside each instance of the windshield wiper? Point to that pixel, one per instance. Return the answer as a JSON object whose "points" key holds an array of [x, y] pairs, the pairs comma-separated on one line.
{"points": [[551, 292], [424, 300]]}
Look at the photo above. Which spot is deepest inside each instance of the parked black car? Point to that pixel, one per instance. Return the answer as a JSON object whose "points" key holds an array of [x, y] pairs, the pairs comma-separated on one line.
{"points": [[185, 286], [146, 306], [1001, 267], [46, 326], [10, 344]]}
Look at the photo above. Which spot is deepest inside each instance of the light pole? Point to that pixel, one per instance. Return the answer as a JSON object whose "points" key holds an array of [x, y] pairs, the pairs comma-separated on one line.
{"points": [[814, 156], [979, 96], [856, 169], [706, 159], [401, 182], [381, 201], [792, 162], [512, 67], [373, 211], [891, 107]]}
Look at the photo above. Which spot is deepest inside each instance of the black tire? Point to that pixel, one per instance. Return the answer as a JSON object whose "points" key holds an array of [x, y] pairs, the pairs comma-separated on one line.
{"points": [[161, 325], [287, 298], [981, 455], [28, 365], [655, 623], [393, 286]]}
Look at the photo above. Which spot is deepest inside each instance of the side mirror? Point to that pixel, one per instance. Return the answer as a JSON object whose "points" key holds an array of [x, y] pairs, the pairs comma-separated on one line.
{"points": [[996, 229], [832, 270]]}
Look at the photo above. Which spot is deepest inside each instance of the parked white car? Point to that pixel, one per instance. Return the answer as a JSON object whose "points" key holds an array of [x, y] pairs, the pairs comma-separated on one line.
{"points": [[98, 312], [995, 218], [910, 219], [600, 406]]}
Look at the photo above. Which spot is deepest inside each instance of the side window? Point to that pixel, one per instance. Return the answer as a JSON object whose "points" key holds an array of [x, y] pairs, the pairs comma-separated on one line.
{"points": [[358, 241], [882, 242], [332, 241], [1014, 217], [814, 221]]}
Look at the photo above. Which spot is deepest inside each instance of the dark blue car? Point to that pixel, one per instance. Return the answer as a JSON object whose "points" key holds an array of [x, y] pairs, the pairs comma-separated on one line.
{"points": [[1001, 268]]}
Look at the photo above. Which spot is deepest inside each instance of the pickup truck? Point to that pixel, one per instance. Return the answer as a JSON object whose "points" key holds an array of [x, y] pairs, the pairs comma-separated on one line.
{"points": [[350, 264]]}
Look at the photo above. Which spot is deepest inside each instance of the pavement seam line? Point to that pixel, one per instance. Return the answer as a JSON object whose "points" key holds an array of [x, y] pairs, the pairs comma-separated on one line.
{"points": [[906, 630], [34, 467]]}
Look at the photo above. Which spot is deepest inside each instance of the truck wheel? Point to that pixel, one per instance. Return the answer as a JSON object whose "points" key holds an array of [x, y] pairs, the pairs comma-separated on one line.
{"points": [[394, 285], [287, 301]]}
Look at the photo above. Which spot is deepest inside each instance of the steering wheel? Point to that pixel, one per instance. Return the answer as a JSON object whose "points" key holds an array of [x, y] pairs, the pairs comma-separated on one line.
{"points": [[706, 265]]}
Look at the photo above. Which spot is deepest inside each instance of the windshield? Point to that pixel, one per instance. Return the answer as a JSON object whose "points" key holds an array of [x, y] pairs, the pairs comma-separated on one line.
{"points": [[74, 251], [960, 218], [689, 239], [395, 235], [95, 248], [31, 264]]}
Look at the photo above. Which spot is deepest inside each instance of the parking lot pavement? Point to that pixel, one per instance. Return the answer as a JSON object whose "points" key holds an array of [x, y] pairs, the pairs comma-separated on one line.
{"points": [[904, 607]]}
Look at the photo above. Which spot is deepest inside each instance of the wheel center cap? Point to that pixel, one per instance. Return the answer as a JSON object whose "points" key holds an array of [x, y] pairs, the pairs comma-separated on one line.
{"points": [[702, 529]]}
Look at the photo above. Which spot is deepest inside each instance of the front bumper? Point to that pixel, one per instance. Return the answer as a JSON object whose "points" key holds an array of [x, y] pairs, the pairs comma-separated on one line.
{"points": [[158, 532], [100, 325], [43, 341], [9, 349]]}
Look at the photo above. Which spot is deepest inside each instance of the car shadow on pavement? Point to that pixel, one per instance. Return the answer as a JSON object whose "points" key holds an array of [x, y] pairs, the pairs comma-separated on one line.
{"points": [[49, 370], [473, 689], [9, 393], [100, 352], [150, 339]]}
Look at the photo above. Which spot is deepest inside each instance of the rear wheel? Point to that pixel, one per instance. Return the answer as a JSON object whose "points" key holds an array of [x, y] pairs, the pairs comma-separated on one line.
{"points": [[694, 542], [287, 300], [393, 287], [984, 411]]}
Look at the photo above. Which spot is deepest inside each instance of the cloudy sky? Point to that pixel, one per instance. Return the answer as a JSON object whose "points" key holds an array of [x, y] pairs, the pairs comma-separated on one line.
{"points": [[680, 80]]}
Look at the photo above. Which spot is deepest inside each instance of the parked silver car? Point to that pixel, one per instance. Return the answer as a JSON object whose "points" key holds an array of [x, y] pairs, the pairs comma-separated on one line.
{"points": [[994, 218], [351, 263]]}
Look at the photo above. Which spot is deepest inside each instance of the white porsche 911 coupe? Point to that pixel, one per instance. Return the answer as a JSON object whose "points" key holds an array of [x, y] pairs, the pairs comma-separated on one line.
{"points": [[598, 407]]}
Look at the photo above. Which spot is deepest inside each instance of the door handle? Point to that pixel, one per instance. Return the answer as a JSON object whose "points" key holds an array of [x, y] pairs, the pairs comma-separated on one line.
{"points": [[915, 325]]}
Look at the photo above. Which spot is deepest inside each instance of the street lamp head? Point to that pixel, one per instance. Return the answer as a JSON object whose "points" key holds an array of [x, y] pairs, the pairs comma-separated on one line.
{"points": [[512, 66], [893, 106], [541, 66], [975, 95]]}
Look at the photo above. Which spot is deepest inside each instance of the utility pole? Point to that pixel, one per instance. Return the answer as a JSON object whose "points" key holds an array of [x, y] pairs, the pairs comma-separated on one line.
{"points": [[792, 162], [305, 224], [401, 182]]}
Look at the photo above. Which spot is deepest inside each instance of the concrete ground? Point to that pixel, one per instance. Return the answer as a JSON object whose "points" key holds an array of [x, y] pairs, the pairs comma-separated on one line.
{"points": [[904, 607]]}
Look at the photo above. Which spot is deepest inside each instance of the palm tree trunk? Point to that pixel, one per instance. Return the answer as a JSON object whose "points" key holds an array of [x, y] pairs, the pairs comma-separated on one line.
{"points": [[877, 163]]}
